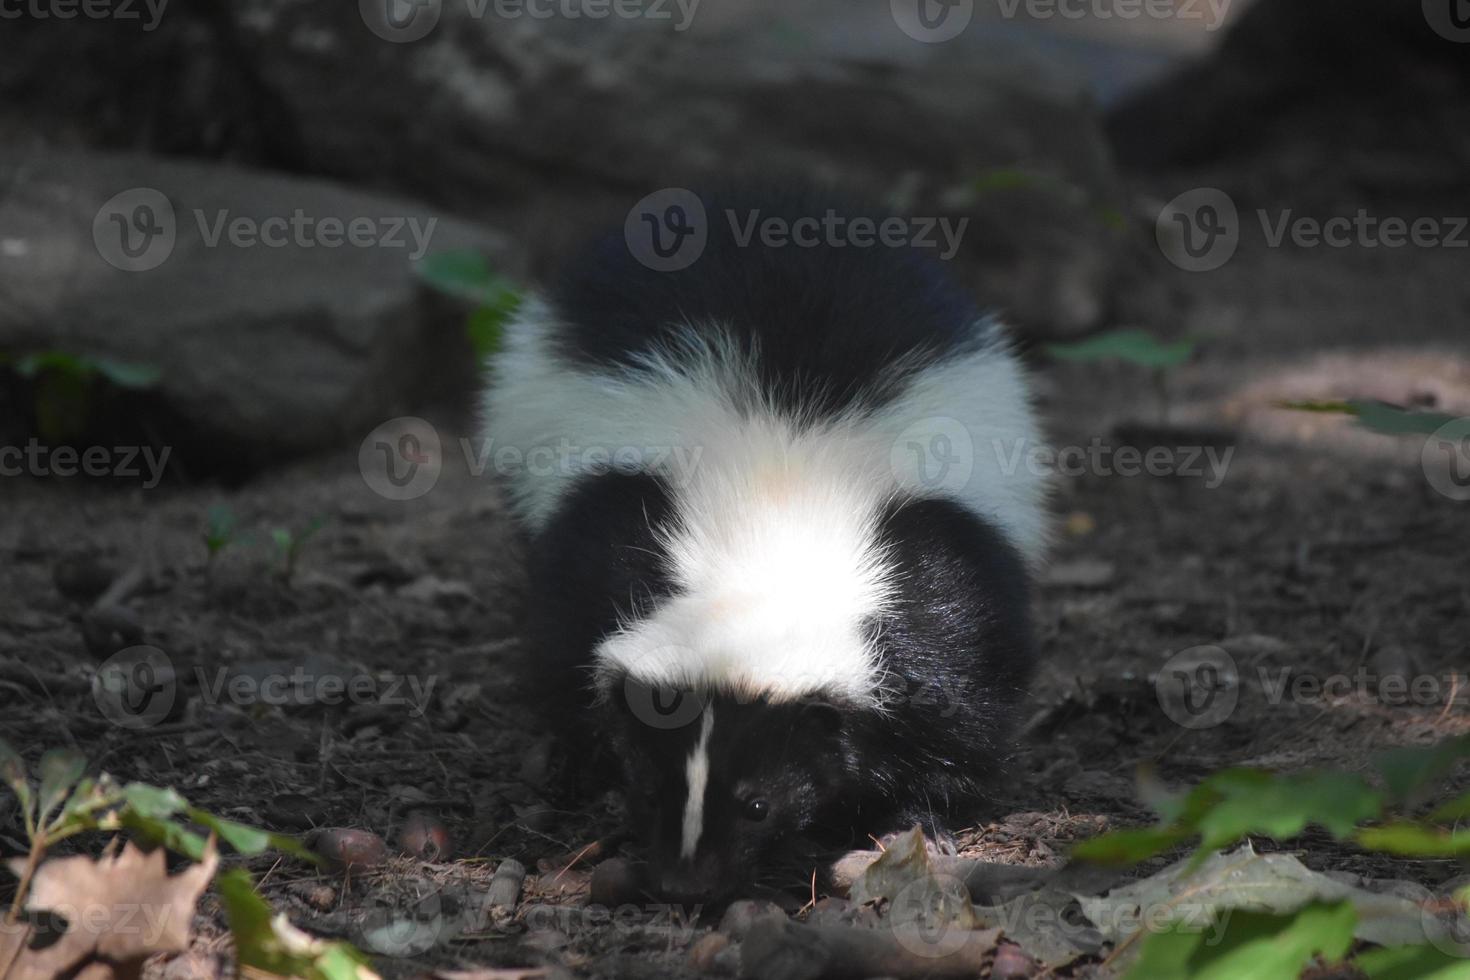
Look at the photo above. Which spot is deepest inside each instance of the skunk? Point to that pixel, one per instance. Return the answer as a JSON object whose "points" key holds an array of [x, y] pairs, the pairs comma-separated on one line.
{"points": [[781, 522]]}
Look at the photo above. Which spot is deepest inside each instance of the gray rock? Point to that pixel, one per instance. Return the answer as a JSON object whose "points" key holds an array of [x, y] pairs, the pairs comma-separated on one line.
{"points": [[1324, 99], [263, 349], [542, 122]]}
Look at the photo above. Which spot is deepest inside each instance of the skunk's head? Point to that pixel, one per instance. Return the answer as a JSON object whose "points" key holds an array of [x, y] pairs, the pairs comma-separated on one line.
{"points": [[716, 783]]}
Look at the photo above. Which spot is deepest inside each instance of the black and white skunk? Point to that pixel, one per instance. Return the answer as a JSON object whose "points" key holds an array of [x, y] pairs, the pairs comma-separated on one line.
{"points": [[790, 483]]}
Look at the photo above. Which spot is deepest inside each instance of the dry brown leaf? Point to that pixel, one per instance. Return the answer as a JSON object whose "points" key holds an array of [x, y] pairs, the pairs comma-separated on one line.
{"points": [[117, 911]]}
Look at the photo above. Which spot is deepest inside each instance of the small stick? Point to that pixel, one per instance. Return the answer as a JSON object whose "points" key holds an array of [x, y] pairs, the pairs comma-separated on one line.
{"points": [[594, 849]]}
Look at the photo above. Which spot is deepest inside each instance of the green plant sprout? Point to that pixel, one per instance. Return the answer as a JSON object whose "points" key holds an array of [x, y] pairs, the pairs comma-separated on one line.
{"points": [[1000, 179], [66, 385], [1136, 347], [219, 532], [289, 544], [466, 274]]}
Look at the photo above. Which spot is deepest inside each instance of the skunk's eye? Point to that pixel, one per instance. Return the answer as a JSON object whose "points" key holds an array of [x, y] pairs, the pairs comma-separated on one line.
{"points": [[757, 810]]}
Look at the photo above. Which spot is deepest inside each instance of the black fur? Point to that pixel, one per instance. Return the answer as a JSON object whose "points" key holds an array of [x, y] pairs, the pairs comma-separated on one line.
{"points": [[831, 323], [830, 326], [594, 564], [957, 648]]}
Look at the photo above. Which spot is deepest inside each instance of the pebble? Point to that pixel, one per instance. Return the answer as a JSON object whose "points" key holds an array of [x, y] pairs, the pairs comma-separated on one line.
{"points": [[348, 849], [1082, 573], [702, 954], [425, 838], [616, 881], [747, 913]]}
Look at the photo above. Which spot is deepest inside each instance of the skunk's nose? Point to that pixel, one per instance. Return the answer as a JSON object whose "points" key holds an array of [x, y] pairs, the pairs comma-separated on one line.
{"points": [[684, 886]]}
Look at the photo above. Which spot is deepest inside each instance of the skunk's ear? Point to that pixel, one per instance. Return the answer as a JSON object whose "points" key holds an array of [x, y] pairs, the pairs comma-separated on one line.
{"points": [[821, 717]]}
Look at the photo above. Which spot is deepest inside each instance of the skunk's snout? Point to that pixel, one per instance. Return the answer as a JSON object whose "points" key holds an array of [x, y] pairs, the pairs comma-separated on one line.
{"points": [[686, 884]]}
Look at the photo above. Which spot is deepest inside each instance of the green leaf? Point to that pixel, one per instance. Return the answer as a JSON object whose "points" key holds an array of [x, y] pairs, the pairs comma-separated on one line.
{"points": [[464, 273], [1320, 407], [128, 375], [1377, 416], [219, 528], [79, 367], [467, 275], [159, 831], [1281, 807], [486, 326], [1253, 944], [251, 840], [1003, 179], [1121, 848], [283, 538], [1412, 963], [1392, 420], [268, 942], [1415, 840], [63, 405], [32, 364], [152, 801], [1408, 770], [60, 771], [1453, 810], [1235, 803], [1130, 346], [13, 772]]}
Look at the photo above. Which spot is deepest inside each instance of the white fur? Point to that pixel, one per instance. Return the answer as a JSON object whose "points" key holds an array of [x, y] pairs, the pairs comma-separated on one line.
{"points": [[696, 774], [775, 550]]}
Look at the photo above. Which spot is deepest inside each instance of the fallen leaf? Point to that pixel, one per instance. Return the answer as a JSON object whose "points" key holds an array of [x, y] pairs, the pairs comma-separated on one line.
{"points": [[117, 911], [1277, 884]]}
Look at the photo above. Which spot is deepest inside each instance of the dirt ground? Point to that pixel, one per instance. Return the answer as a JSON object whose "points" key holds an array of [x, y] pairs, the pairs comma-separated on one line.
{"points": [[1316, 550]]}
